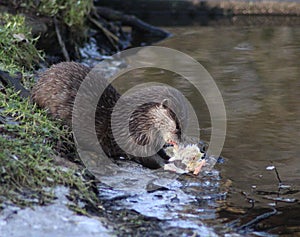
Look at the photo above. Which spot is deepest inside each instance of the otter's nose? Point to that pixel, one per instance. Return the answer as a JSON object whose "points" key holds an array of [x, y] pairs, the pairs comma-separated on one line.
{"points": [[167, 145], [202, 146]]}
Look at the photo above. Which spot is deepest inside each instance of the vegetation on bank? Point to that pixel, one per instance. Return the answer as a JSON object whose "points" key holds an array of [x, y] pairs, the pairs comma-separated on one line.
{"points": [[18, 52], [31, 143], [72, 12]]}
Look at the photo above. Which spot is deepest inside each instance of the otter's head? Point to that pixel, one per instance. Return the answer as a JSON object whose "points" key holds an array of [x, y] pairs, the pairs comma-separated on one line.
{"points": [[155, 122]]}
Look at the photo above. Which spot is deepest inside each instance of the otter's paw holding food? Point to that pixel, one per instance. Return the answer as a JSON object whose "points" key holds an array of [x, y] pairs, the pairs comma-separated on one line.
{"points": [[185, 159]]}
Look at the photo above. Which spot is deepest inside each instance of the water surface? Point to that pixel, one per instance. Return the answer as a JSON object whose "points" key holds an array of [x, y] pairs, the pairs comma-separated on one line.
{"points": [[257, 70]]}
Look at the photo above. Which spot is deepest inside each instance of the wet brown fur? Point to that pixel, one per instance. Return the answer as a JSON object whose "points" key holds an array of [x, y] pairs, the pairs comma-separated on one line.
{"points": [[56, 91]]}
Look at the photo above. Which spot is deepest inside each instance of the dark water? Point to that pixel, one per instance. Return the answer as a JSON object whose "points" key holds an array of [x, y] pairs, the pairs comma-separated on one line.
{"points": [[257, 70]]}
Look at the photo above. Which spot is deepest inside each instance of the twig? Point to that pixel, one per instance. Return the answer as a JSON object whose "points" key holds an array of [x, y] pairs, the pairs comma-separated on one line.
{"points": [[106, 31], [257, 220], [60, 40], [110, 36], [277, 174]]}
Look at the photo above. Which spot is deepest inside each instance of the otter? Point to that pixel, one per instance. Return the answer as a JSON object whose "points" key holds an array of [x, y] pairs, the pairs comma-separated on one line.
{"points": [[56, 90]]}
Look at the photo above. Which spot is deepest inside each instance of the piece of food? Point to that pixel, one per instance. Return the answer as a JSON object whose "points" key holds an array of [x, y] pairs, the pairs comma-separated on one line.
{"points": [[185, 159]]}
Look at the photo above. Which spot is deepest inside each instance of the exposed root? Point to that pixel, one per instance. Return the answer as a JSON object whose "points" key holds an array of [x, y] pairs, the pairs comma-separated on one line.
{"points": [[60, 40]]}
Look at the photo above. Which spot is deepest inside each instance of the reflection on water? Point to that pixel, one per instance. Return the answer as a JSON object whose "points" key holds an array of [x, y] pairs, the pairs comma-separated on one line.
{"points": [[258, 73]]}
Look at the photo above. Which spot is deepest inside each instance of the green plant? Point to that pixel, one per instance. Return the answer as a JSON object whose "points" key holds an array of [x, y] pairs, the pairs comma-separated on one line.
{"points": [[17, 46]]}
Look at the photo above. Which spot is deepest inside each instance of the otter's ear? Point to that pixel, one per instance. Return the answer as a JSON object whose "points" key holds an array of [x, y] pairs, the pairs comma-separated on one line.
{"points": [[165, 103]]}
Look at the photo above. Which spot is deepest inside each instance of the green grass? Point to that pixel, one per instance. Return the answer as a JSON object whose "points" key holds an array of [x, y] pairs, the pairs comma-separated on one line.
{"points": [[17, 46], [27, 144], [29, 139], [71, 12]]}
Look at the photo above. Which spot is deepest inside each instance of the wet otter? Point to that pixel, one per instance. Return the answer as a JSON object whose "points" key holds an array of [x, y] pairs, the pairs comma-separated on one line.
{"points": [[58, 86]]}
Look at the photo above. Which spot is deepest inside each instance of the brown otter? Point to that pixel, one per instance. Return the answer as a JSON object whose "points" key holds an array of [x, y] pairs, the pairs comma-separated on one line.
{"points": [[57, 88]]}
